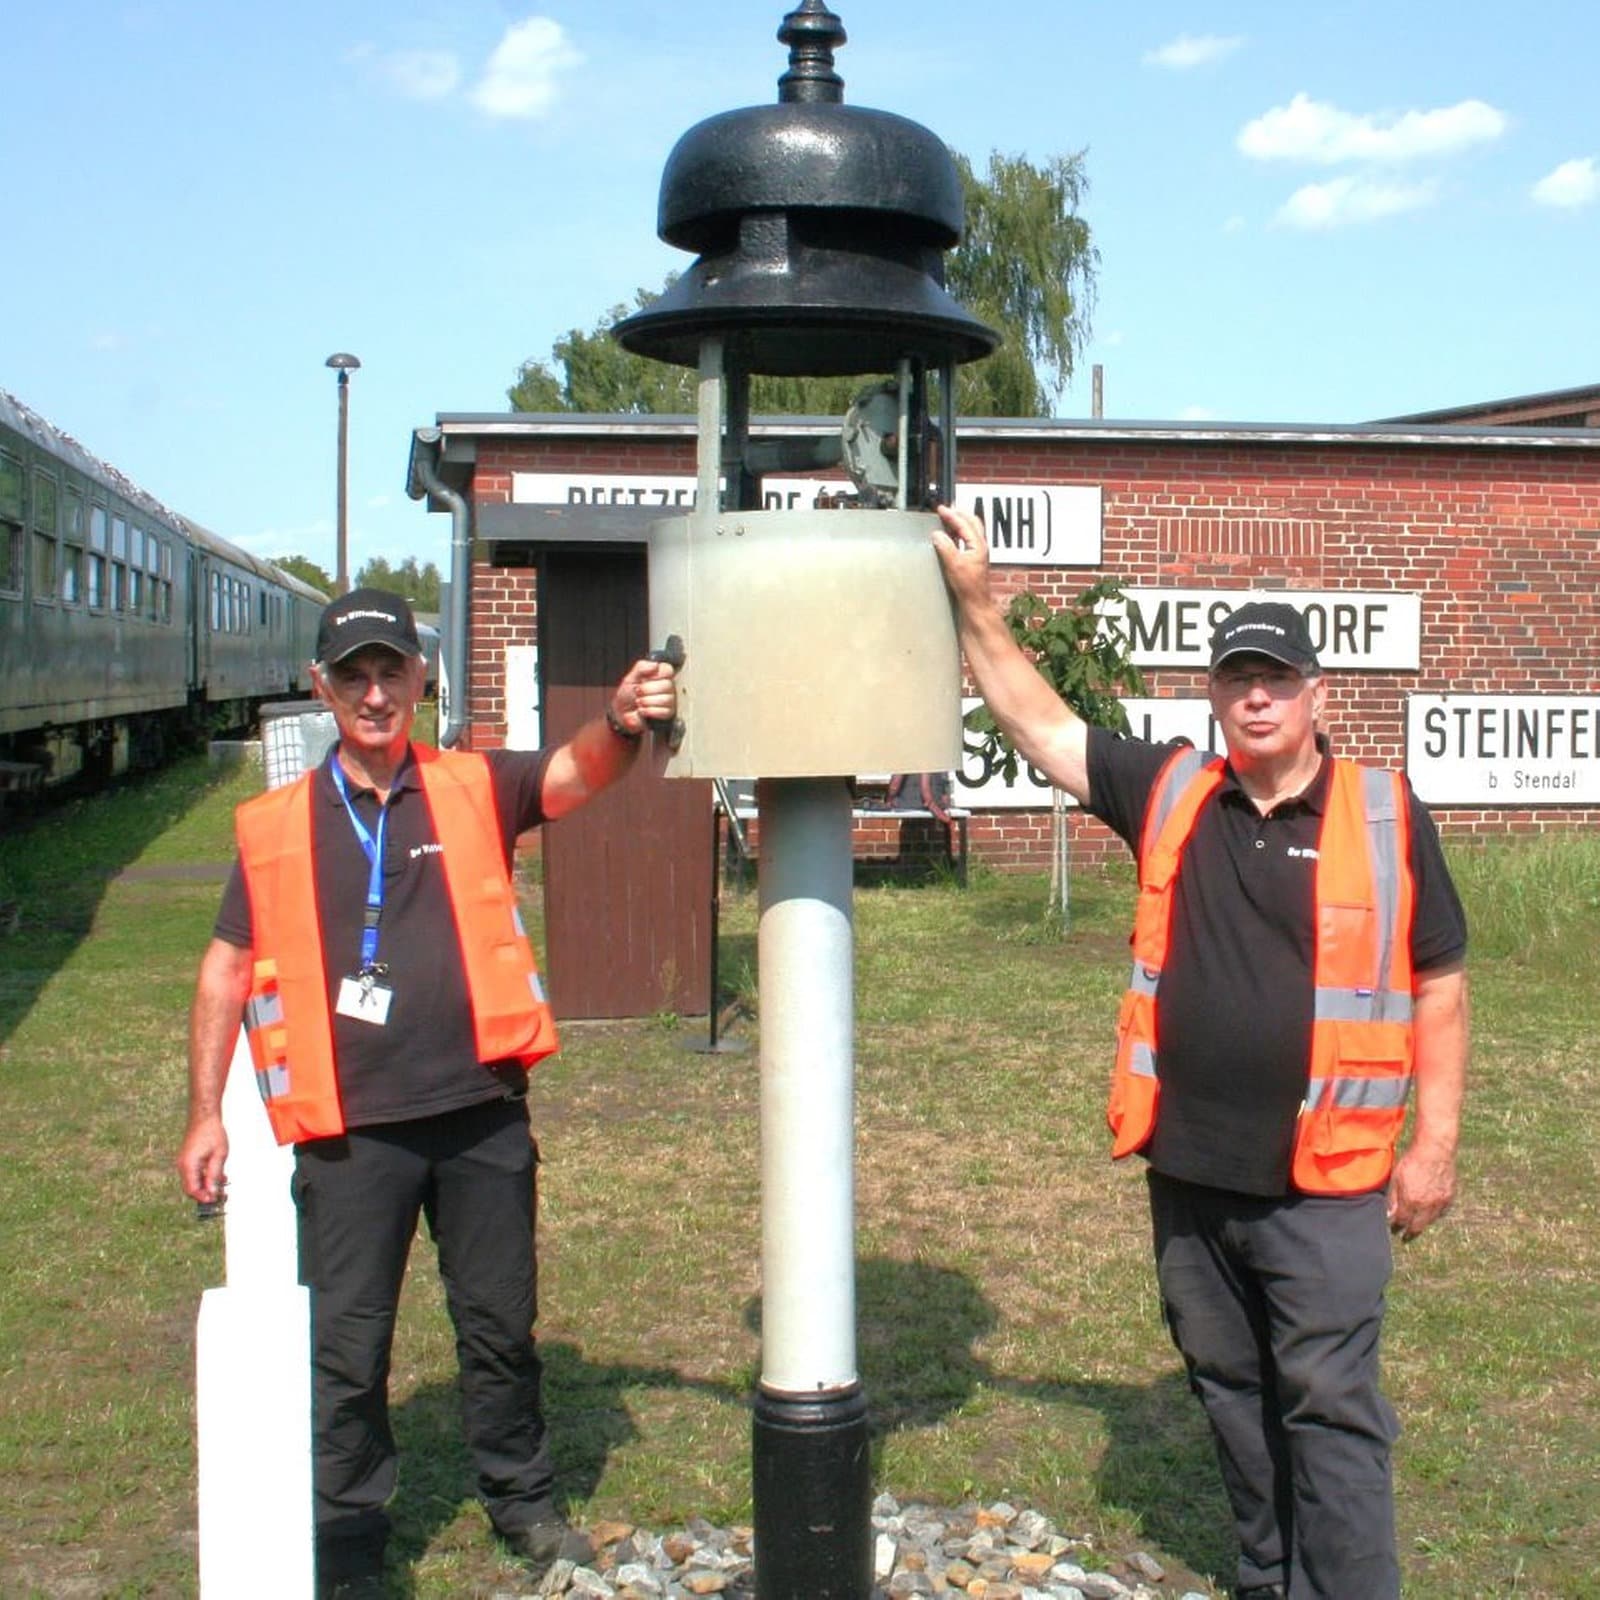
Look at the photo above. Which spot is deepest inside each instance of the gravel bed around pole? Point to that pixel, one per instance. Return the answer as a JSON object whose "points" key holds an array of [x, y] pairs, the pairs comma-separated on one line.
{"points": [[994, 1552]]}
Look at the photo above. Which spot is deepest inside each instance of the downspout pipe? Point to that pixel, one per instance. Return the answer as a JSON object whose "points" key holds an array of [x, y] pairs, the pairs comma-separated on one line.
{"points": [[423, 480]]}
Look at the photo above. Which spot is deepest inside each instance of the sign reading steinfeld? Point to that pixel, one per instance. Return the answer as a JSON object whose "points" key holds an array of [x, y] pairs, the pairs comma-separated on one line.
{"points": [[1028, 525], [1503, 749]]}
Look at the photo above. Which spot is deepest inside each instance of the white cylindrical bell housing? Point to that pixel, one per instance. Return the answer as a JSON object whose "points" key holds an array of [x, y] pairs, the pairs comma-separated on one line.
{"points": [[806, 953], [817, 643]]}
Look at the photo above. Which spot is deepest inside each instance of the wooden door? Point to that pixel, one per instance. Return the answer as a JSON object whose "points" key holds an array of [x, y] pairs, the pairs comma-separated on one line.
{"points": [[629, 877]]}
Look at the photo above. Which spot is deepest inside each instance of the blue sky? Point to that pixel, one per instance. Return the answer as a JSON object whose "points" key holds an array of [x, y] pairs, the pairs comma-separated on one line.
{"points": [[1305, 213]]}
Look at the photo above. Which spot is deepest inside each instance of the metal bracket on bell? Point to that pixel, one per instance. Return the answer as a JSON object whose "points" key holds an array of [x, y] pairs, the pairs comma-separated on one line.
{"points": [[672, 652]]}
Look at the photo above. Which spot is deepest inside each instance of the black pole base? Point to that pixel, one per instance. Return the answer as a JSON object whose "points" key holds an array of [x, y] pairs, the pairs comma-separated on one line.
{"points": [[811, 1482]]}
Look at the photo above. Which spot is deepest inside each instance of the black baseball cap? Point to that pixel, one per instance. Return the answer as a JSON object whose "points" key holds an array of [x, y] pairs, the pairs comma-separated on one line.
{"points": [[363, 617], [1265, 628]]}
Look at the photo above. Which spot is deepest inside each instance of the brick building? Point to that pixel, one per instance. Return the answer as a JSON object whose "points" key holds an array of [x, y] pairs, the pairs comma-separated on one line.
{"points": [[1449, 566]]}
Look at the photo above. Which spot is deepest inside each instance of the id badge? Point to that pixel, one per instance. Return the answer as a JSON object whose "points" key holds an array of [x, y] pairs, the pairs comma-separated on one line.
{"points": [[364, 1000]]}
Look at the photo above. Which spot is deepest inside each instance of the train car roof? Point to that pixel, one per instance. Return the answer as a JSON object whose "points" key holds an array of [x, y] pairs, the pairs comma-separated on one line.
{"points": [[23, 419], [264, 569]]}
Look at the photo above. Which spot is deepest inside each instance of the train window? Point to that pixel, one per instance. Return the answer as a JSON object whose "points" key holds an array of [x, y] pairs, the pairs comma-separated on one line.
{"points": [[11, 483], [216, 602], [10, 487], [72, 548], [46, 536], [46, 562], [119, 539], [136, 570], [10, 557], [97, 527], [72, 574], [97, 581], [152, 566], [119, 586], [264, 600]]}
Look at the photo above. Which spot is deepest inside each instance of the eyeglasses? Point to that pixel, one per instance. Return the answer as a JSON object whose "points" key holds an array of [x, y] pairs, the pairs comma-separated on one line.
{"points": [[1280, 681]]}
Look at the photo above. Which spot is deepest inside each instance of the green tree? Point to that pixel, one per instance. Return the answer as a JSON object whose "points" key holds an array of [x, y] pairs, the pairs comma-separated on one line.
{"points": [[598, 375], [306, 571], [419, 584], [1081, 651], [1026, 265]]}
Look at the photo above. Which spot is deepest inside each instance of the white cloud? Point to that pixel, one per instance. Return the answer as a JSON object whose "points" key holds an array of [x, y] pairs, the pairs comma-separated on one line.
{"points": [[1193, 50], [521, 79], [421, 74], [1310, 130], [1572, 184], [1342, 202]]}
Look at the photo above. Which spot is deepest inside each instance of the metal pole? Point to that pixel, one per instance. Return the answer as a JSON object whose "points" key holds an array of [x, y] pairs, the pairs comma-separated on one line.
{"points": [[342, 581], [810, 1481]]}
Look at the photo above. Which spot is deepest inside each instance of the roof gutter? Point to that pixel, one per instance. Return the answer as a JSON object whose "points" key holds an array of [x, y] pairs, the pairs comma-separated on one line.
{"points": [[423, 481]]}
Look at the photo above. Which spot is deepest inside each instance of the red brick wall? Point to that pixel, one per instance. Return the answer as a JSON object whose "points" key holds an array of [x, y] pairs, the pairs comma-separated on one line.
{"points": [[503, 612], [1502, 545]]}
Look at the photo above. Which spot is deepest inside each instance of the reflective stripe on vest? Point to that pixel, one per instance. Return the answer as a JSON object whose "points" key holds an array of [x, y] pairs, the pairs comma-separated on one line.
{"points": [[1360, 1070], [1182, 787], [287, 1017], [1361, 1040]]}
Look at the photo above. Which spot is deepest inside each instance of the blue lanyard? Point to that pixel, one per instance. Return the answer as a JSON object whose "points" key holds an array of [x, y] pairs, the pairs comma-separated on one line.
{"points": [[374, 852]]}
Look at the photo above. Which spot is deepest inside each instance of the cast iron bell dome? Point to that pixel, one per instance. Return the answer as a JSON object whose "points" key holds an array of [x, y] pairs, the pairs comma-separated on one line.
{"points": [[819, 231]]}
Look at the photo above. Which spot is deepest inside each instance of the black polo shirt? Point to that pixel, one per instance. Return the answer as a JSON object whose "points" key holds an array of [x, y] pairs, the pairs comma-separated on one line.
{"points": [[1234, 1009], [423, 1061]]}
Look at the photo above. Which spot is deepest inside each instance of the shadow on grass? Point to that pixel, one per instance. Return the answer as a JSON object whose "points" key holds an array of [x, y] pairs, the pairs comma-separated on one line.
{"points": [[919, 1327], [56, 865], [586, 1407]]}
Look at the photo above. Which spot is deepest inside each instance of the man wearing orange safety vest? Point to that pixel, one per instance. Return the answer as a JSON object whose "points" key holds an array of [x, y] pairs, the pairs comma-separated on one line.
{"points": [[370, 940], [1297, 975]]}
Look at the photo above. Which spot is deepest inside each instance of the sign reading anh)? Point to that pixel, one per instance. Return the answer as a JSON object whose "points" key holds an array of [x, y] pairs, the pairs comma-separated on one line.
{"points": [[1028, 524], [1349, 627], [1504, 749]]}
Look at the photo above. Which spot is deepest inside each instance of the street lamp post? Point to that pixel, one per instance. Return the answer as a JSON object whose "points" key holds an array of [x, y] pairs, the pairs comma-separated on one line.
{"points": [[344, 364]]}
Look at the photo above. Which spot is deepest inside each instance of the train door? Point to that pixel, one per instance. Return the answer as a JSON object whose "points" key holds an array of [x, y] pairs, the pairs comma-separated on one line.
{"points": [[199, 635]]}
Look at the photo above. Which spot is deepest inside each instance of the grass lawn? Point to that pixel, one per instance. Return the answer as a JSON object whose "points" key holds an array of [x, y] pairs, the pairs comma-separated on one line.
{"points": [[1010, 1340]]}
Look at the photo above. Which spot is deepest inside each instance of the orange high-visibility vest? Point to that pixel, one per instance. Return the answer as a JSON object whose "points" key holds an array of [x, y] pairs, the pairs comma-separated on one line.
{"points": [[1359, 1074], [288, 1019]]}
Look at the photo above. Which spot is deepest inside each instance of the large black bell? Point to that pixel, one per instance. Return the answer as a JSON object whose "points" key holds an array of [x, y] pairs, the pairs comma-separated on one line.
{"points": [[820, 231]]}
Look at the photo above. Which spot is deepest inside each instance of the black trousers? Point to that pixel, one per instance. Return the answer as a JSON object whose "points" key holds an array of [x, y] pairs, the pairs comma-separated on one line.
{"points": [[472, 1174], [1276, 1306]]}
